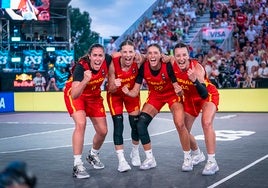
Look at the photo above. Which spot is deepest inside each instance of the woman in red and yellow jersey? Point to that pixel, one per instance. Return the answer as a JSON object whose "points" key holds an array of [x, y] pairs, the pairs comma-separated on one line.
{"points": [[199, 95], [82, 95], [123, 72], [160, 79]]}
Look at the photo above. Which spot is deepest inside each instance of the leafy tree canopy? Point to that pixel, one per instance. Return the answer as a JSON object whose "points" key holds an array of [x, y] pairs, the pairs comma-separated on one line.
{"points": [[81, 34]]}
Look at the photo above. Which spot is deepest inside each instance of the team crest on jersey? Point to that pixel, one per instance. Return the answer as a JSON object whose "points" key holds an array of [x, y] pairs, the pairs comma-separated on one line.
{"points": [[133, 71], [103, 72], [163, 76]]}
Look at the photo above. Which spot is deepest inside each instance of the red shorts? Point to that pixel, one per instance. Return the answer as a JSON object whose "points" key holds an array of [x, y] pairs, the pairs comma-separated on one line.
{"points": [[93, 106], [116, 103], [193, 105], [159, 101]]}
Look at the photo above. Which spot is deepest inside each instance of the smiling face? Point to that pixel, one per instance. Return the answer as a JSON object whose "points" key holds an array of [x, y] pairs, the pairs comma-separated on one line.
{"points": [[127, 55], [182, 57], [96, 57], [154, 56]]}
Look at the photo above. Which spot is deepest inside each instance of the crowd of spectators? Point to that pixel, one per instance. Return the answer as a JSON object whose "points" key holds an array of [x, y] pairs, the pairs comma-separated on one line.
{"points": [[242, 67]]}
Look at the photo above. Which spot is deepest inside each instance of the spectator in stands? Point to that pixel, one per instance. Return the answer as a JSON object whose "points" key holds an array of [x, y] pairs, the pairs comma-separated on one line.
{"points": [[214, 75], [263, 70], [251, 34], [248, 83], [111, 47], [251, 62], [241, 76], [241, 20], [51, 86], [39, 82]]}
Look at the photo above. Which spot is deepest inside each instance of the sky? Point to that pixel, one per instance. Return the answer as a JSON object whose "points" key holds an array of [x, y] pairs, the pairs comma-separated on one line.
{"points": [[112, 17]]}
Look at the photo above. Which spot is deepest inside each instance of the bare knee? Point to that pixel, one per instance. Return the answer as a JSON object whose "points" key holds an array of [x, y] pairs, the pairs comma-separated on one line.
{"points": [[80, 127], [207, 125], [180, 126]]}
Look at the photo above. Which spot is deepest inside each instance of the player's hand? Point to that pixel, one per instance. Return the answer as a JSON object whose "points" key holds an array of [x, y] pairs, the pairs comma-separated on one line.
{"points": [[165, 58], [87, 75], [177, 88], [125, 89], [191, 73], [117, 82]]}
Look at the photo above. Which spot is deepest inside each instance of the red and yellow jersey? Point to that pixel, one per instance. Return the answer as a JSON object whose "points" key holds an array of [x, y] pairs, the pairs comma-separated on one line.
{"points": [[93, 88], [127, 77], [187, 85], [193, 102], [160, 84]]}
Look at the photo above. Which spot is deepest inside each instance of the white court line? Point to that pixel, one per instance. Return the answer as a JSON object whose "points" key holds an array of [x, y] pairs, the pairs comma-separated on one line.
{"points": [[37, 123], [237, 172], [34, 134], [64, 146]]}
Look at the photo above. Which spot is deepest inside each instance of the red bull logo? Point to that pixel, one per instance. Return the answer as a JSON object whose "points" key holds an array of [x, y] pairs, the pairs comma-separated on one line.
{"points": [[23, 80]]}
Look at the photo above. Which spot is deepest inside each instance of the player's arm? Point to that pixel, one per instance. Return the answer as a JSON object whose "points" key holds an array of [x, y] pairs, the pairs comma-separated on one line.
{"points": [[140, 59], [177, 87], [166, 58], [81, 78], [134, 92], [197, 75], [113, 83], [136, 89]]}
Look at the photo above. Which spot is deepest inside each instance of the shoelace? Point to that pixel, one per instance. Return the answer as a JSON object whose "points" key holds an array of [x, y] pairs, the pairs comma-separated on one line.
{"points": [[81, 168], [209, 164], [96, 158]]}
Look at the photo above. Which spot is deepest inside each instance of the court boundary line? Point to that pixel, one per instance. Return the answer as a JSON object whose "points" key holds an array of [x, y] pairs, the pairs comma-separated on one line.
{"points": [[238, 172], [65, 146]]}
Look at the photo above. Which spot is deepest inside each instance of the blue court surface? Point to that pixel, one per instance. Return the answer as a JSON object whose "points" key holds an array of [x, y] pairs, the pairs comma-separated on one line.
{"points": [[43, 140]]}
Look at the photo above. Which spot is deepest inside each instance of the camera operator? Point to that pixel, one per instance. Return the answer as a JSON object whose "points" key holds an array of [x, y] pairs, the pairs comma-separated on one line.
{"points": [[51, 86]]}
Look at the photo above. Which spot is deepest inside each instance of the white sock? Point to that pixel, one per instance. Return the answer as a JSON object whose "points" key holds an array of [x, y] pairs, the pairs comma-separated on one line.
{"points": [[135, 147], [77, 159], [149, 154], [196, 152], [120, 155], [94, 151], [211, 157], [187, 154]]}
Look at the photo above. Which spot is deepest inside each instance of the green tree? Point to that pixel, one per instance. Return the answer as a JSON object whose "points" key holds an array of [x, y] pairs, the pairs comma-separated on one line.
{"points": [[81, 35]]}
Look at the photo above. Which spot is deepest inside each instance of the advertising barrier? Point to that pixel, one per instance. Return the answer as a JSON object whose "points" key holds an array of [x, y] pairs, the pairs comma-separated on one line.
{"points": [[231, 100], [6, 102]]}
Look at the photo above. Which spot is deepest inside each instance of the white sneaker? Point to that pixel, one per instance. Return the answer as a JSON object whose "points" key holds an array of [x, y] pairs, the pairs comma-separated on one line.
{"points": [[187, 165], [198, 158], [135, 158], [123, 166], [79, 171], [94, 160], [211, 168], [148, 164]]}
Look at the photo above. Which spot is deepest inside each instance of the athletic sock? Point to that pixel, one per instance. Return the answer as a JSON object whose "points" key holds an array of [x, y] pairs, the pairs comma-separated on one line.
{"points": [[135, 147], [77, 159], [94, 151], [187, 154], [211, 157], [196, 152], [149, 154], [120, 155]]}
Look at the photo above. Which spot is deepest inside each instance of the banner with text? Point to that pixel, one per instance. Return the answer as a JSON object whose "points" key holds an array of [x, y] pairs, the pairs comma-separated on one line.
{"points": [[215, 33]]}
